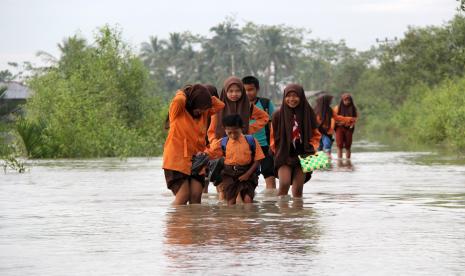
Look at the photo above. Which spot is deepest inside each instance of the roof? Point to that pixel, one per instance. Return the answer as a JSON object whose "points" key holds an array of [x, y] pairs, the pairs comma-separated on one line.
{"points": [[14, 91]]}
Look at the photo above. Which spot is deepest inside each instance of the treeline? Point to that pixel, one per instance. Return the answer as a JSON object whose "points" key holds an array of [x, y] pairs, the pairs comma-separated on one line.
{"points": [[411, 89], [96, 100], [417, 92], [100, 98], [275, 54]]}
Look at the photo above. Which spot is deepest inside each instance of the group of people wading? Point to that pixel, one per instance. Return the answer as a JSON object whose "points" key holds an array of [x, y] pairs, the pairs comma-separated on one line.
{"points": [[240, 135]]}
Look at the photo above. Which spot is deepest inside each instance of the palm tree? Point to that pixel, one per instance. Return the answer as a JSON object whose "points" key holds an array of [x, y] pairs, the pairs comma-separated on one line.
{"points": [[151, 51], [275, 49], [228, 46]]}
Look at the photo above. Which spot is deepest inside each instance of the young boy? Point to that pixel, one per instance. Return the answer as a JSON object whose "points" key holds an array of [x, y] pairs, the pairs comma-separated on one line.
{"points": [[242, 155], [252, 87], [236, 102]]}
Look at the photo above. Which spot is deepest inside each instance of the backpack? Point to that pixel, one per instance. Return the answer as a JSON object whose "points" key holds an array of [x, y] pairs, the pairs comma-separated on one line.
{"points": [[250, 141]]}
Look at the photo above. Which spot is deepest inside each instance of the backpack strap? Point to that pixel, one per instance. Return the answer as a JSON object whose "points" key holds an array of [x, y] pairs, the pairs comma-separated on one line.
{"points": [[224, 142], [250, 141], [266, 107], [265, 103]]}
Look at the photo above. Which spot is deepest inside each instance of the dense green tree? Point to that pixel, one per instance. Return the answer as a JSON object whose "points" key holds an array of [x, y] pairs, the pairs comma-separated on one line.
{"points": [[97, 101]]}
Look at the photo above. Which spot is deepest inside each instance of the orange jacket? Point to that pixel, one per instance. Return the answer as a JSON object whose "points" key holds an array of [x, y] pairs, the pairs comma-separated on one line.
{"points": [[186, 136], [343, 121], [237, 151], [261, 119]]}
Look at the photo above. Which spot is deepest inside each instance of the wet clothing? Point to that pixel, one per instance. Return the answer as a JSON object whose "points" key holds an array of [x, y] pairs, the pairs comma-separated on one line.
{"points": [[344, 137], [345, 128], [174, 179], [326, 143], [232, 186], [237, 161], [263, 137], [186, 135], [294, 132], [284, 129], [267, 163]]}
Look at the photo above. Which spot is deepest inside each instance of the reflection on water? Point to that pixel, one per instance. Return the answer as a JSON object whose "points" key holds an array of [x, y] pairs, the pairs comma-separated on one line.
{"points": [[380, 213], [272, 231], [344, 165]]}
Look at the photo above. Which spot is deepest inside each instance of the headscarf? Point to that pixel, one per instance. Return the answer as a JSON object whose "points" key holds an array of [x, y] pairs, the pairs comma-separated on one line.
{"points": [[198, 97], [282, 125], [323, 109], [347, 111], [241, 107], [212, 89]]}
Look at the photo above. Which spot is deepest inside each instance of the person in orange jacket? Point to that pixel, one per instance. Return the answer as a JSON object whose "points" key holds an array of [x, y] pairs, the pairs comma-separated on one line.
{"points": [[242, 155], [236, 101], [346, 118], [188, 115]]}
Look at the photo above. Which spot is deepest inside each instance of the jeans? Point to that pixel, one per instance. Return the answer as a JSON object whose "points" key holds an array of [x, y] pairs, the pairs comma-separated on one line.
{"points": [[326, 143]]}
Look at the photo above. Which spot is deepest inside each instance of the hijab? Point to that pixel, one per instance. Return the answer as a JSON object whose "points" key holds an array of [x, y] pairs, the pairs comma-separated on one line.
{"points": [[241, 107]]}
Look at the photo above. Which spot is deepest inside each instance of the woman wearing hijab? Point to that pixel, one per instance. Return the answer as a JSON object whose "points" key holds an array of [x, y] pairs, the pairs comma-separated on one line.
{"points": [[346, 117], [236, 102], [294, 132], [326, 122], [188, 115]]}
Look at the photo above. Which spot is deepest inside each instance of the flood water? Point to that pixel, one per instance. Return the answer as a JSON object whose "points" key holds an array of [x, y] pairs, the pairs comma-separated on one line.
{"points": [[384, 213]]}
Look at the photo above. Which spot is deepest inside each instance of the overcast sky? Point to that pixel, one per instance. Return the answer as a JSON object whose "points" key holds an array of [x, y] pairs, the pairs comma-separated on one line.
{"points": [[29, 26]]}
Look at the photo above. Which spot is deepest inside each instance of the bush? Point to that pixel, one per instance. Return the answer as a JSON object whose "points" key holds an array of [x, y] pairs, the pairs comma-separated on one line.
{"points": [[97, 102]]}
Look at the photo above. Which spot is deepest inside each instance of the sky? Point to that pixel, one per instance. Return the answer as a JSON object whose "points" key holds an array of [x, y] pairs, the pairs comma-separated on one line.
{"points": [[27, 27]]}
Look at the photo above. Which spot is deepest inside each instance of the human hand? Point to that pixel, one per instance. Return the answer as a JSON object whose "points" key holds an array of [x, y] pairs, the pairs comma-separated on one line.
{"points": [[244, 177]]}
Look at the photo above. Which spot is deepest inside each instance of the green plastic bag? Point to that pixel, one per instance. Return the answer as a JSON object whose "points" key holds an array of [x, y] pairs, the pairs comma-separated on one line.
{"points": [[318, 161]]}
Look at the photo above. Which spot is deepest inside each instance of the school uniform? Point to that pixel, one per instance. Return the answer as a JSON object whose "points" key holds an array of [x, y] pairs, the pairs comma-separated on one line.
{"points": [[294, 131], [263, 137], [238, 158], [185, 138], [344, 127], [240, 107]]}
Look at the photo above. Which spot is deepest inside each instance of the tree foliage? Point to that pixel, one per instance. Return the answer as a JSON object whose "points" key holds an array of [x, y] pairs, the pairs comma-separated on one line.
{"points": [[97, 101]]}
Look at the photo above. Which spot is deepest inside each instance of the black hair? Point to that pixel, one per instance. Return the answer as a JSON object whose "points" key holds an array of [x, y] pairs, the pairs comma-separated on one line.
{"points": [[251, 80], [233, 120]]}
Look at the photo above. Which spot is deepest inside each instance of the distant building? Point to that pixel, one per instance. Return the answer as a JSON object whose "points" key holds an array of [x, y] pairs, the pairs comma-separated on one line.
{"points": [[12, 96]]}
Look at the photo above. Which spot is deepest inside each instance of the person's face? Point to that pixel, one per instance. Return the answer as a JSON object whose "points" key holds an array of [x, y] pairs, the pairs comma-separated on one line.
{"points": [[251, 91], [292, 99], [346, 101], [234, 93], [233, 132]]}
